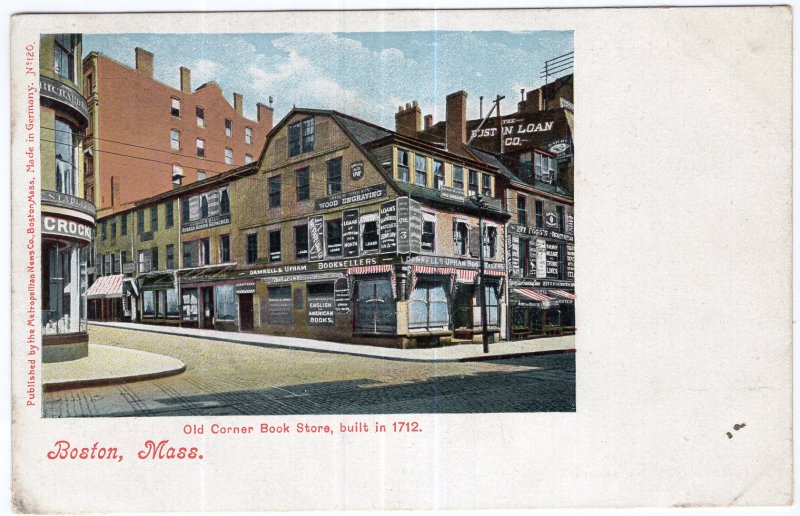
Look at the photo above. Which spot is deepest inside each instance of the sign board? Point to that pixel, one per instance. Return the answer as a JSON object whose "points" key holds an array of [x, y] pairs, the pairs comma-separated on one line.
{"points": [[341, 296], [539, 232], [316, 238], [551, 219], [403, 237], [128, 267], [448, 192], [66, 228], [60, 92], [458, 263], [388, 227], [314, 266], [320, 311], [62, 200], [356, 170], [562, 148], [570, 224], [414, 226], [551, 251], [512, 252], [210, 222], [570, 261], [352, 197], [350, 233], [290, 278], [541, 283], [541, 258], [279, 305]]}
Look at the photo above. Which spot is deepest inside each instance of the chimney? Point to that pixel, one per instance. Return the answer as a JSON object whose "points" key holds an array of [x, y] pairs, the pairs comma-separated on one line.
{"points": [[186, 80], [237, 103], [144, 62], [408, 121], [428, 122], [456, 120], [264, 115]]}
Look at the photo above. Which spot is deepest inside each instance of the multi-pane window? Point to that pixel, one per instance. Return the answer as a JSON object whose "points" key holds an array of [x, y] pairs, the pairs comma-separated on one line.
{"points": [[154, 218], [421, 170], [248, 135], [539, 214], [252, 248], [144, 261], [524, 256], [103, 233], [461, 238], [201, 148], [428, 305], [429, 232], [492, 306], [203, 207], [175, 139], [561, 218], [140, 222], [154, 259], [176, 107], [228, 127], [303, 186], [188, 253], [402, 165], [170, 252], [66, 157], [487, 185], [438, 174], [375, 306], [185, 211], [301, 137], [458, 178], [275, 246], [333, 234], [64, 63], [201, 174], [169, 212], [301, 242], [275, 192], [177, 174], [522, 209], [248, 158], [334, 176], [369, 233], [204, 251], [490, 242], [224, 202], [200, 114], [228, 156], [224, 248], [123, 224], [473, 182]]}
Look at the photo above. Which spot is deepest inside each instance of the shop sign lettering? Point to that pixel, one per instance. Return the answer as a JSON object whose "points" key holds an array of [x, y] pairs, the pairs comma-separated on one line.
{"points": [[316, 238], [352, 197], [68, 228], [320, 311], [388, 227], [350, 233]]}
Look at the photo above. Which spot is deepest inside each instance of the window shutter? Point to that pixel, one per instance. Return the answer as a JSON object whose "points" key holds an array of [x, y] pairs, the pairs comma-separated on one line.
{"points": [[474, 242]]}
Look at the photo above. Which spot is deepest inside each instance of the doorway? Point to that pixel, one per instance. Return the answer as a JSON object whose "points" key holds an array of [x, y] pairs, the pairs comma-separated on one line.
{"points": [[246, 312], [208, 308]]}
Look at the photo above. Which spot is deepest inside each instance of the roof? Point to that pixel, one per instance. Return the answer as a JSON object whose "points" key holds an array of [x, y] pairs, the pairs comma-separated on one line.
{"points": [[364, 132], [106, 287], [433, 196], [491, 159]]}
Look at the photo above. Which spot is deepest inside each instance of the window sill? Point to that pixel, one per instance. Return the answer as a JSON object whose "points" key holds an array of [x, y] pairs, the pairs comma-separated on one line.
{"points": [[414, 332]]}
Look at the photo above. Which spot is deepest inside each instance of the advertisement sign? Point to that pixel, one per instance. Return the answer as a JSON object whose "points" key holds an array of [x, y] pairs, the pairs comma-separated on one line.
{"points": [[210, 222], [316, 238], [570, 225], [60, 92], [448, 192], [320, 311], [570, 261], [350, 233], [62, 200], [388, 227], [415, 226], [551, 252], [551, 219], [341, 296], [539, 232], [356, 170], [403, 239], [69, 228], [541, 258], [352, 197]]}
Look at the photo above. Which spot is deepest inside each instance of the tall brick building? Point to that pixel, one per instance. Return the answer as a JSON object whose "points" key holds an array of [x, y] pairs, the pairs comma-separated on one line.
{"points": [[145, 137]]}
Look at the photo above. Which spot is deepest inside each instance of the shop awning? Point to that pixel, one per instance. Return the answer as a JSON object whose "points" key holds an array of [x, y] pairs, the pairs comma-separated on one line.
{"points": [[245, 287], [563, 296], [370, 269], [157, 281], [106, 287], [531, 295], [466, 275], [424, 269], [206, 270]]}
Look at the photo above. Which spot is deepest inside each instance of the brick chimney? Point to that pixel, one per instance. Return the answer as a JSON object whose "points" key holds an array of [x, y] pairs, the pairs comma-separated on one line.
{"points": [[264, 115], [408, 120], [533, 102], [144, 62], [238, 100], [186, 80], [428, 122], [456, 120]]}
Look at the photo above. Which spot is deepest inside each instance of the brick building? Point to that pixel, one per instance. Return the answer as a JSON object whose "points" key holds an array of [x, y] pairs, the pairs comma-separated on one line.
{"points": [[145, 137], [68, 220]]}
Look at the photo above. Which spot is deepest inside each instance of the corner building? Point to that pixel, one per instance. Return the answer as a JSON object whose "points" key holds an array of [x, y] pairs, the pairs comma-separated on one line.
{"points": [[68, 220]]}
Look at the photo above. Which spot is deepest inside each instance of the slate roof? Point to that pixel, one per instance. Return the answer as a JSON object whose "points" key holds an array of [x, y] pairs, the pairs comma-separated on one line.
{"points": [[363, 132]]}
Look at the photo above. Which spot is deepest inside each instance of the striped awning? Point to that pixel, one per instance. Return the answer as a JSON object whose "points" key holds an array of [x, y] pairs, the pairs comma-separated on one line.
{"points": [[246, 287], [533, 295], [563, 296], [424, 269], [370, 269], [466, 275], [106, 287], [494, 272]]}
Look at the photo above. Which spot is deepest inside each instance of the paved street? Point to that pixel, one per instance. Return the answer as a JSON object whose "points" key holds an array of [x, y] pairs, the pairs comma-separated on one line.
{"points": [[224, 378]]}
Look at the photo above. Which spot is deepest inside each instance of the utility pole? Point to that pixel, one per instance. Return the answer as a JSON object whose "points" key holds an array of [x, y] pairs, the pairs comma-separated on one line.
{"points": [[500, 123], [477, 199]]}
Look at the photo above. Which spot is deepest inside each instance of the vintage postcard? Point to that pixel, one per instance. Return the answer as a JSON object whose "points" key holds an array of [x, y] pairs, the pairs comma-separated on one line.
{"points": [[401, 260]]}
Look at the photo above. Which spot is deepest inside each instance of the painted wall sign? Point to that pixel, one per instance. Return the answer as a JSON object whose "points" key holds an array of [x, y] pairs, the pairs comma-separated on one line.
{"points": [[403, 237], [551, 251], [570, 261], [60, 92], [570, 224], [316, 238], [388, 227], [514, 131], [69, 228], [356, 170], [62, 200], [350, 233], [530, 282], [415, 226], [341, 296], [316, 276], [210, 222], [541, 258], [279, 305], [448, 192], [352, 197], [320, 311], [446, 261], [539, 232], [315, 266], [562, 148], [551, 219]]}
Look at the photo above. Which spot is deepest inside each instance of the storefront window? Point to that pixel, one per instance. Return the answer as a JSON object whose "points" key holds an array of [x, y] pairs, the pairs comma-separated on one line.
{"points": [[172, 303], [375, 306], [429, 305], [149, 303], [226, 303], [279, 305], [64, 272], [190, 304], [492, 306], [65, 142]]}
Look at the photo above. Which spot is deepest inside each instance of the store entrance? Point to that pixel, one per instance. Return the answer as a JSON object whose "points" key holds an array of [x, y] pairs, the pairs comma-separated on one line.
{"points": [[246, 312], [207, 320]]}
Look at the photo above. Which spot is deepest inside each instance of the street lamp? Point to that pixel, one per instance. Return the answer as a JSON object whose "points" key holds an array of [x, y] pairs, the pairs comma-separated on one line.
{"points": [[480, 201]]}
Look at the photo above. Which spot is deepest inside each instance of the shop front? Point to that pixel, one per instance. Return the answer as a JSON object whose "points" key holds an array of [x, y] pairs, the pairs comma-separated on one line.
{"points": [[110, 298], [541, 312]]}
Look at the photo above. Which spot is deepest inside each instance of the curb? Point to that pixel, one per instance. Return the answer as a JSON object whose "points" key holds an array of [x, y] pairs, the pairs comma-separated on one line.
{"points": [[476, 358], [96, 382]]}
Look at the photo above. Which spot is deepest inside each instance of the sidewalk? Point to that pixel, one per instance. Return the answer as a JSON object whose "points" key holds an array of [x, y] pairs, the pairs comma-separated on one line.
{"points": [[106, 365], [457, 353]]}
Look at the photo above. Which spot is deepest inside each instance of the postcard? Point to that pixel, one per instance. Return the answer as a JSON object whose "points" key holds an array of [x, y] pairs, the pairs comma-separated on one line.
{"points": [[401, 260]]}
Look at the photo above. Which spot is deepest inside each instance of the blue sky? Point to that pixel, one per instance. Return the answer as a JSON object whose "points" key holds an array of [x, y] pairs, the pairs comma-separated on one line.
{"points": [[362, 74]]}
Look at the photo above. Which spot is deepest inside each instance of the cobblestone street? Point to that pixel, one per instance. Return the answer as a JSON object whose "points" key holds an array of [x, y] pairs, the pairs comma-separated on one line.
{"points": [[224, 378]]}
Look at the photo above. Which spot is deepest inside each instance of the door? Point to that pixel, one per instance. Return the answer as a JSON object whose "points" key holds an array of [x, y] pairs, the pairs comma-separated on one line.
{"points": [[245, 312], [208, 308]]}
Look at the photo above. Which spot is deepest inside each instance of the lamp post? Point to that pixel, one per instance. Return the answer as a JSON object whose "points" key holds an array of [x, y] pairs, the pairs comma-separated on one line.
{"points": [[478, 200]]}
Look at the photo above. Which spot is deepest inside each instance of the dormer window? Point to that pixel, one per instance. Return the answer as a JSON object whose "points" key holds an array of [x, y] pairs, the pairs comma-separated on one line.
{"points": [[301, 137]]}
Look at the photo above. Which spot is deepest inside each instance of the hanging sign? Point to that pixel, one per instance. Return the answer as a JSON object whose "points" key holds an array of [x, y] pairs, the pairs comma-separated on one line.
{"points": [[316, 238], [350, 233], [541, 258], [388, 227], [356, 170], [341, 296]]}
